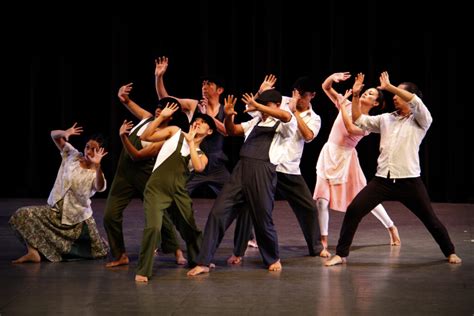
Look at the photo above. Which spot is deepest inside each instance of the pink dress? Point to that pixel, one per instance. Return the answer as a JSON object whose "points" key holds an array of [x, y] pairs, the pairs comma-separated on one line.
{"points": [[339, 175]]}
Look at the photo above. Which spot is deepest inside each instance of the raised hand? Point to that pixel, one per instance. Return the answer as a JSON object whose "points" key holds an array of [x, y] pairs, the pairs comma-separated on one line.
{"points": [[249, 99], [125, 128], [229, 104], [340, 103], [202, 105], [340, 76], [169, 109], [358, 84], [124, 91], [161, 64], [189, 136], [295, 97], [72, 131], [268, 83], [384, 80], [98, 155]]}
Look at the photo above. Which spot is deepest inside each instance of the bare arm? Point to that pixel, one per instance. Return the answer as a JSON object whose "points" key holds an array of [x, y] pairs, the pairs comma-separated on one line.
{"points": [[135, 154], [135, 109], [327, 84], [231, 128], [99, 175], [153, 134], [268, 83], [161, 65], [199, 161], [304, 130], [347, 119], [385, 84], [275, 112], [60, 137], [356, 89]]}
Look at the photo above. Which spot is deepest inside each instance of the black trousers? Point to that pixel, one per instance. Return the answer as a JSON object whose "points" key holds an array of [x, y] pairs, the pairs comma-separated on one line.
{"points": [[294, 189], [253, 183], [411, 192]]}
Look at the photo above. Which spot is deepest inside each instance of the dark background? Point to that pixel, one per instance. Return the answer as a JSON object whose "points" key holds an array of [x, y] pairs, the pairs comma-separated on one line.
{"points": [[67, 67]]}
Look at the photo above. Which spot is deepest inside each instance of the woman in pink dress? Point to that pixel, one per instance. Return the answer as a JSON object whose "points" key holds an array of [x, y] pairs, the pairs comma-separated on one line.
{"points": [[339, 175]]}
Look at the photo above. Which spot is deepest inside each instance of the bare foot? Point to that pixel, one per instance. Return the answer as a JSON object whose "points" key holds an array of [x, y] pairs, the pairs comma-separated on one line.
{"points": [[234, 260], [252, 243], [180, 259], [324, 241], [453, 258], [141, 278], [335, 260], [394, 237], [275, 266], [325, 253], [198, 270], [122, 261], [31, 256]]}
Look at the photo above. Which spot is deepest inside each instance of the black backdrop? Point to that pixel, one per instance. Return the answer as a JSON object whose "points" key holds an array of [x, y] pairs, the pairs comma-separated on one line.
{"points": [[67, 67]]}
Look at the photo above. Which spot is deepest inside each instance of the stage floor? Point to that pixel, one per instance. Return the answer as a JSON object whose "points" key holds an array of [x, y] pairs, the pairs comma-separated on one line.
{"points": [[414, 279]]}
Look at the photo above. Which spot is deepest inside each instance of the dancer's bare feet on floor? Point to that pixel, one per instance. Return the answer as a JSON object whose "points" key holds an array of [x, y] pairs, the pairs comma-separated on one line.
{"points": [[141, 278], [122, 261], [324, 241], [252, 243], [335, 260], [234, 260], [180, 259], [31, 256], [198, 270], [394, 237], [275, 266], [325, 253], [453, 258]]}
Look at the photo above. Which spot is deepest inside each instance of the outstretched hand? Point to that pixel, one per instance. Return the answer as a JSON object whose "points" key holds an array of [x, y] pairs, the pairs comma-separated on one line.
{"points": [[189, 136], [229, 104], [161, 64], [249, 99], [340, 76], [358, 84], [98, 155], [268, 83], [125, 128], [340, 103], [124, 91], [74, 130], [202, 105], [384, 80], [169, 109], [295, 97]]}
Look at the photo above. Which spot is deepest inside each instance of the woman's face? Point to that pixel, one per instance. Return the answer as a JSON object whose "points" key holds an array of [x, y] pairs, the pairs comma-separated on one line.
{"points": [[91, 147], [370, 96]]}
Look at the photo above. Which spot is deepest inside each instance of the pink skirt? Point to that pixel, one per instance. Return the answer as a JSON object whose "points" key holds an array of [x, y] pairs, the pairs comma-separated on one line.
{"points": [[341, 195]]}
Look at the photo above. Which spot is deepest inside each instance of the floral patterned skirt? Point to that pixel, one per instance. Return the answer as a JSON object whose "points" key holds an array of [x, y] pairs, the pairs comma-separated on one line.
{"points": [[41, 227]]}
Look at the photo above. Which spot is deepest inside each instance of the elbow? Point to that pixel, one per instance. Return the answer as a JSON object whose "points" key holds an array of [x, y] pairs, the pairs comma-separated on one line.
{"points": [[200, 168], [286, 118]]}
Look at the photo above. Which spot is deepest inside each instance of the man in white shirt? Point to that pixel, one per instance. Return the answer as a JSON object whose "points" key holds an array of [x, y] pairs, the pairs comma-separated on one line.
{"points": [[398, 169]]}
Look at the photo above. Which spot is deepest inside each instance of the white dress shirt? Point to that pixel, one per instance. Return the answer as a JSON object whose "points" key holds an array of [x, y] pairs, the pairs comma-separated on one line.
{"points": [[400, 139]]}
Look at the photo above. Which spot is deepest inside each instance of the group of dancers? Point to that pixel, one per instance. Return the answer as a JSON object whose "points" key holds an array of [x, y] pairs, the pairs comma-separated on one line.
{"points": [[179, 147]]}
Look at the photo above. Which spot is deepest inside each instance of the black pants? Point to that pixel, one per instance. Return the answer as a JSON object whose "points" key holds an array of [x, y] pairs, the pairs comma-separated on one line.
{"points": [[294, 189], [411, 192]]}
